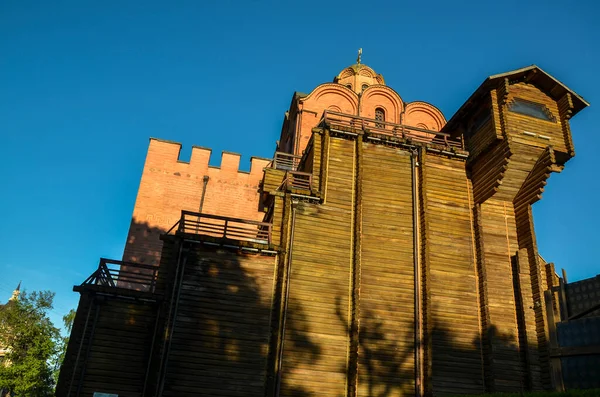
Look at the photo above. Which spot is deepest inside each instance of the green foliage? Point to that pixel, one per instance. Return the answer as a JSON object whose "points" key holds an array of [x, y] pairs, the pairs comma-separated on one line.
{"points": [[68, 320], [33, 343]]}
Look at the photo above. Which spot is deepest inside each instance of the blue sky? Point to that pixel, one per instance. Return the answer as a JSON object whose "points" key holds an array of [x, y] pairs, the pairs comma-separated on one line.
{"points": [[83, 85]]}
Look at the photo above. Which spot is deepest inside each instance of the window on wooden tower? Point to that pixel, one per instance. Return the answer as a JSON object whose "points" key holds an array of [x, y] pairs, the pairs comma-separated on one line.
{"points": [[379, 116], [531, 109]]}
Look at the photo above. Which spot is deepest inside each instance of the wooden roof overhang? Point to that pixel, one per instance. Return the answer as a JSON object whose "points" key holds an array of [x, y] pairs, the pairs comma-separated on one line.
{"points": [[531, 74]]}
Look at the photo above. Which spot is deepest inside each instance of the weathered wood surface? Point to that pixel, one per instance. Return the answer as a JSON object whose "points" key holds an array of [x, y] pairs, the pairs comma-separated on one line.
{"points": [[499, 236], [315, 358], [519, 123], [118, 357], [113, 357], [451, 300], [220, 335], [386, 311], [272, 180]]}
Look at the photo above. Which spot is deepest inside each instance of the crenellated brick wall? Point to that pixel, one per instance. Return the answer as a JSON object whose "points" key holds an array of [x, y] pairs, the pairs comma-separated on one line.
{"points": [[169, 185]]}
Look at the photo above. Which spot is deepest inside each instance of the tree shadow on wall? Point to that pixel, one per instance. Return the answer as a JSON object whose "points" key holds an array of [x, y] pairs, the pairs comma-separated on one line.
{"points": [[385, 354], [387, 351], [222, 333], [218, 343], [299, 350]]}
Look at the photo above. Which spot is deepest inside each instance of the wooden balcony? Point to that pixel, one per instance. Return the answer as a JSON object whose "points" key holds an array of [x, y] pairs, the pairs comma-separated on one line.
{"points": [[113, 274], [350, 123], [286, 161], [222, 228], [298, 180]]}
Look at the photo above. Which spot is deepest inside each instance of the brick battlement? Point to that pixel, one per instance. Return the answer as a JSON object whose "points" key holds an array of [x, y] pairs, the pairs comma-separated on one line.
{"points": [[170, 185], [169, 152]]}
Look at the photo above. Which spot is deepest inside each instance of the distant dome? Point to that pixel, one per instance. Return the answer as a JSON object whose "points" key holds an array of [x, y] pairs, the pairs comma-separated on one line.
{"points": [[358, 77]]}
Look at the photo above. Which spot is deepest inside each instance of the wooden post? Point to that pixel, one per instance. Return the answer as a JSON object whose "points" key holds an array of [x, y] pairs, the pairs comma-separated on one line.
{"points": [[562, 293], [555, 364]]}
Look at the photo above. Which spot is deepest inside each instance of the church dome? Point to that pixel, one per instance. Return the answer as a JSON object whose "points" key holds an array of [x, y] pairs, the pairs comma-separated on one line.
{"points": [[358, 77]]}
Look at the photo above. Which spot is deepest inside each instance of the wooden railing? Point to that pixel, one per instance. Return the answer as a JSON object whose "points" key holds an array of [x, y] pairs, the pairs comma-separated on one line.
{"points": [[128, 275], [298, 180], [286, 161], [345, 121], [223, 227]]}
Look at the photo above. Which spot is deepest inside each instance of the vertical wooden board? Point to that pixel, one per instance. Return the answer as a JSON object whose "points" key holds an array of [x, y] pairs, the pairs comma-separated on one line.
{"points": [[527, 242], [452, 289], [316, 161], [527, 329], [500, 245], [386, 339], [277, 220], [221, 333], [317, 325]]}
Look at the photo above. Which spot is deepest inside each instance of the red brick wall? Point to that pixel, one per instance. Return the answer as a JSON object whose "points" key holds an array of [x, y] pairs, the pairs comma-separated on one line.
{"points": [[169, 186], [338, 98]]}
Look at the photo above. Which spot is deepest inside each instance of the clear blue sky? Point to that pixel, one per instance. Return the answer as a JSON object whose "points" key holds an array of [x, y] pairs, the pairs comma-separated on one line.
{"points": [[84, 84]]}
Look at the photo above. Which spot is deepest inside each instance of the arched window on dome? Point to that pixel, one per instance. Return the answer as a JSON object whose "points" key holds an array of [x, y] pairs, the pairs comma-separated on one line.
{"points": [[365, 86], [349, 86], [379, 116]]}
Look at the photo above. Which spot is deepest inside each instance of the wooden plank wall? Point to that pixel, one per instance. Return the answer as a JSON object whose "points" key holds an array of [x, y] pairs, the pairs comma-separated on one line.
{"points": [[118, 357], [518, 123], [539, 371], [317, 328], [276, 232], [116, 361], [528, 329], [221, 332], [272, 179], [499, 236], [386, 312], [482, 138], [454, 358]]}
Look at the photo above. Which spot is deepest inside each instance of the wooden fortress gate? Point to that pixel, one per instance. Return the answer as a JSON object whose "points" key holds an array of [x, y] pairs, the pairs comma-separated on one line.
{"points": [[393, 261]]}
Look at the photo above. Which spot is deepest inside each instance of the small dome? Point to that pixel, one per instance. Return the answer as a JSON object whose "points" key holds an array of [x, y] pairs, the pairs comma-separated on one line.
{"points": [[358, 77]]}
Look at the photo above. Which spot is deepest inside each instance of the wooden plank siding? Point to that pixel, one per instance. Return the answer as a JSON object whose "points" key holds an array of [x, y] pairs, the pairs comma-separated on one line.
{"points": [[316, 343], [220, 337], [451, 304], [482, 137], [276, 231], [118, 357], [518, 123], [387, 328], [539, 284], [272, 180], [499, 240]]}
